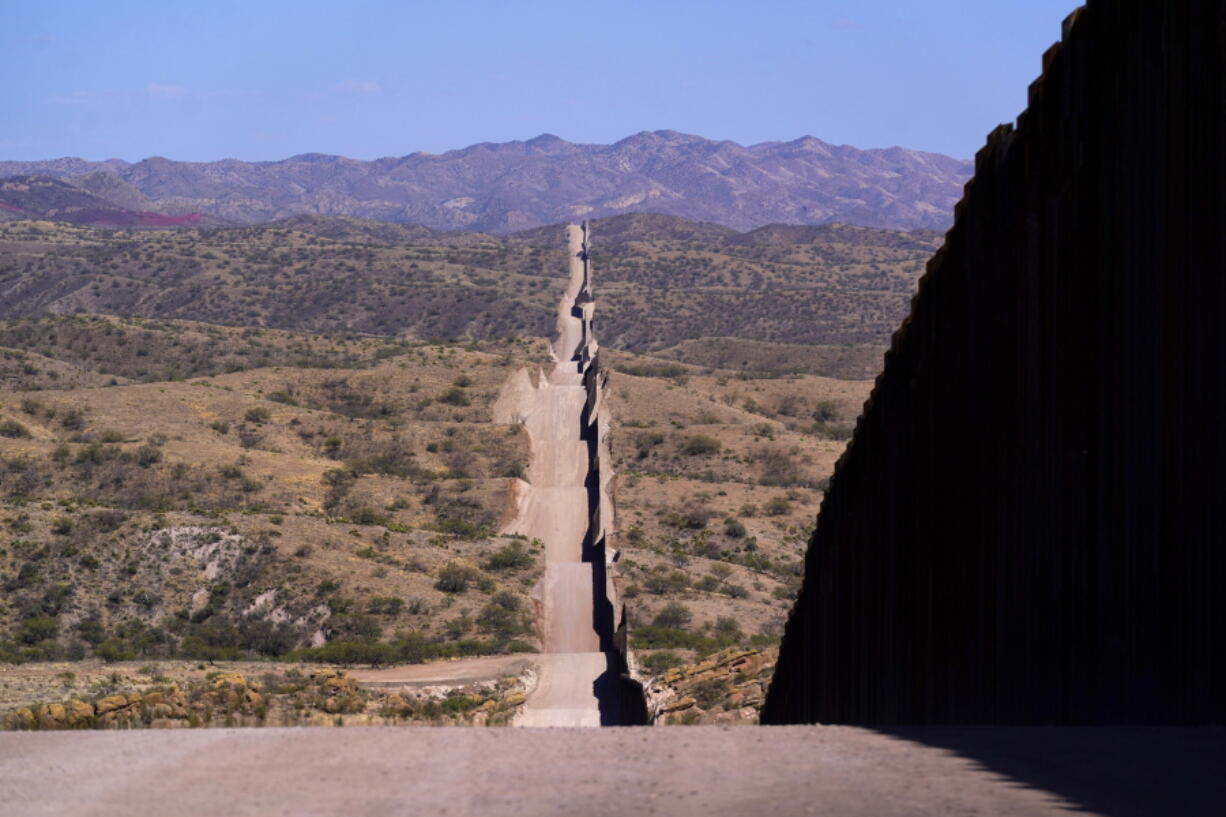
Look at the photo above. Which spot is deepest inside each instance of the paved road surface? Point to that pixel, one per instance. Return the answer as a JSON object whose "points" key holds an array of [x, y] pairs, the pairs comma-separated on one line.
{"points": [[684, 771]]}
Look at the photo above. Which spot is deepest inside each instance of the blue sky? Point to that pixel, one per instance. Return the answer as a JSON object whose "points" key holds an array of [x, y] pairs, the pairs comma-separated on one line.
{"points": [[265, 79]]}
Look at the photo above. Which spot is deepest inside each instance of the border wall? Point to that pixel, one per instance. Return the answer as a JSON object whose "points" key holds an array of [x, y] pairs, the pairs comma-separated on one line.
{"points": [[1029, 524], [601, 551]]}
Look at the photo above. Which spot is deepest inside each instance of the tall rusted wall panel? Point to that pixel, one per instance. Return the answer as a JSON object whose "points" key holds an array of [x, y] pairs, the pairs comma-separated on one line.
{"points": [[1028, 526]]}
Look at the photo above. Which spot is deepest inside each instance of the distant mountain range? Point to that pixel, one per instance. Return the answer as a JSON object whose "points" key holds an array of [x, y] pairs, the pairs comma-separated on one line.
{"points": [[511, 186]]}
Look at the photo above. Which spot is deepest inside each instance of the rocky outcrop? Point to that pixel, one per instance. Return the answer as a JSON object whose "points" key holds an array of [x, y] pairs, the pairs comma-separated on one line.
{"points": [[1027, 527], [728, 687]]}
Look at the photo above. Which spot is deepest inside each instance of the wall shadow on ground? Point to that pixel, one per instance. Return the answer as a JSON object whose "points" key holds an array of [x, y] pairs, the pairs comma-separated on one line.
{"points": [[1112, 771]]}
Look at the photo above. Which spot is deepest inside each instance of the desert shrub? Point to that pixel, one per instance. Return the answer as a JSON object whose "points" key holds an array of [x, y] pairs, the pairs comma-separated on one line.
{"points": [[711, 692], [662, 583], [727, 627], [825, 412], [693, 515], [72, 420], [366, 515], [265, 637], [146, 599], [455, 578], [354, 625], [339, 482], [657, 662], [148, 455], [672, 370], [91, 630], [501, 617], [790, 405], [463, 516], [784, 593], [391, 457], [777, 506], [114, 649], [36, 629], [13, 430], [699, 445], [834, 431], [385, 605], [348, 651], [513, 556], [107, 520], [650, 637], [257, 414], [249, 438], [455, 396], [778, 467], [645, 442], [733, 528], [673, 615]]}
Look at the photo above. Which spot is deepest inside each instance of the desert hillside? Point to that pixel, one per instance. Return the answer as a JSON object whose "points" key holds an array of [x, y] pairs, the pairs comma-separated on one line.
{"points": [[819, 299], [179, 489]]}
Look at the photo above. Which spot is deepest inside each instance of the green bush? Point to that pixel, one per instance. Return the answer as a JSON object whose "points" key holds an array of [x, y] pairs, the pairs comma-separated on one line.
{"points": [[650, 637], [455, 578], [36, 629], [257, 414], [501, 617], [113, 650], [511, 557], [657, 662], [673, 615]]}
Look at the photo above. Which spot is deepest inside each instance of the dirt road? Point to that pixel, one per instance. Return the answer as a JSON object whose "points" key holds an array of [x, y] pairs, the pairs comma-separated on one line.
{"points": [[554, 506], [701, 771]]}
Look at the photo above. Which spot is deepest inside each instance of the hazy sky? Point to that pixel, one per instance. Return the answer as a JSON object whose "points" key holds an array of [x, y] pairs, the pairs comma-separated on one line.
{"points": [[265, 79]]}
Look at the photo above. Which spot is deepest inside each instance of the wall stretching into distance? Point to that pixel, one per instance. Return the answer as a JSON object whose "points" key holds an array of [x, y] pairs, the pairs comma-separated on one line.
{"points": [[1028, 526], [609, 608]]}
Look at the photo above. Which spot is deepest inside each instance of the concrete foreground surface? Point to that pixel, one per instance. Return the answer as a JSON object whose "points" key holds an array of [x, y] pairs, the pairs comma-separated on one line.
{"points": [[774, 771]]}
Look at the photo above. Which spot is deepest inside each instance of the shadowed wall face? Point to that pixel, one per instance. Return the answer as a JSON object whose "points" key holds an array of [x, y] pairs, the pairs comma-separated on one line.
{"points": [[1028, 525]]}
